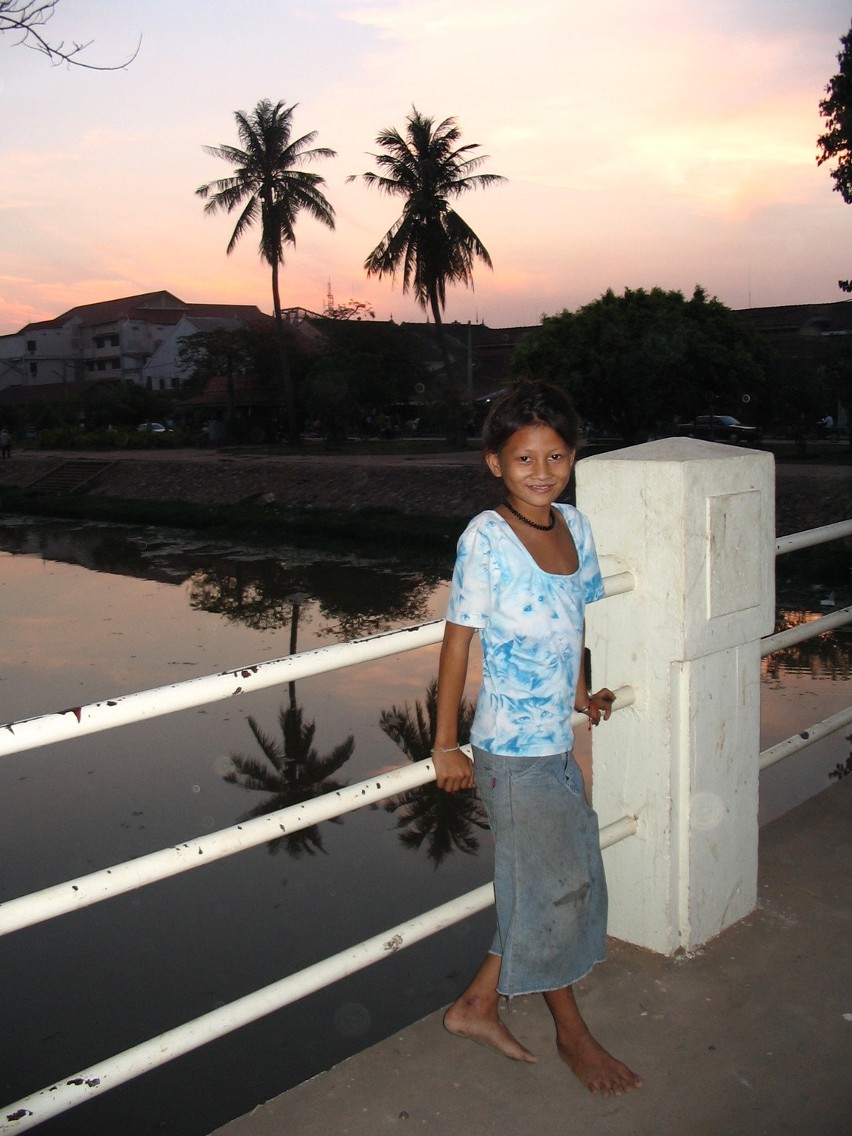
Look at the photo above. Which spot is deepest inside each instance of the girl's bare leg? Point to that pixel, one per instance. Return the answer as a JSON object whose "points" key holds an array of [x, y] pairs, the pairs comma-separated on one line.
{"points": [[597, 1069], [475, 1014]]}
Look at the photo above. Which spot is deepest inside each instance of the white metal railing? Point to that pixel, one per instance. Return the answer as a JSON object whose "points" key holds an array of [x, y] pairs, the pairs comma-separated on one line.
{"points": [[793, 635], [71, 895], [807, 737], [811, 537], [77, 721], [74, 894], [71, 1091]]}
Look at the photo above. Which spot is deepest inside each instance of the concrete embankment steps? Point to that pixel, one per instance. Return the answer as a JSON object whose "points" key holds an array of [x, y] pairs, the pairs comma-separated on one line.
{"points": [[74, 476]]}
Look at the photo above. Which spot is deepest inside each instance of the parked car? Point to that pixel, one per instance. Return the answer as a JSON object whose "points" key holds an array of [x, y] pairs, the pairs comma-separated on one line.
{"points": [[151, 428], [718, 428]]}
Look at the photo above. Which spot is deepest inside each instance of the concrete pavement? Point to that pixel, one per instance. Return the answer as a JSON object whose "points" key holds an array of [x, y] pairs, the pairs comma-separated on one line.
{"points": [[751, 1035]]}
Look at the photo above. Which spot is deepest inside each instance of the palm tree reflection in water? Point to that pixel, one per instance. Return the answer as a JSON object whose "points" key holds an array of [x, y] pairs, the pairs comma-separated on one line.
{"points": [[444, 822], [292, 772]]}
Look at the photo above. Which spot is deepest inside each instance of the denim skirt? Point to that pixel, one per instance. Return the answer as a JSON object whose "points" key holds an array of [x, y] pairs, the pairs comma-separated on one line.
{"points": [[549, 884]]}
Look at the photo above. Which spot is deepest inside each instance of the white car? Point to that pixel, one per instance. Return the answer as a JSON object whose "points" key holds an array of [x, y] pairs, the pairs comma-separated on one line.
{"points": [[151, 428]]}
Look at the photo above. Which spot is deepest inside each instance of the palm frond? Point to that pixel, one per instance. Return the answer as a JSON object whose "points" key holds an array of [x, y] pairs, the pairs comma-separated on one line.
{"points": [[269, 185], [295, 773], [426, 167], [271, 749]]}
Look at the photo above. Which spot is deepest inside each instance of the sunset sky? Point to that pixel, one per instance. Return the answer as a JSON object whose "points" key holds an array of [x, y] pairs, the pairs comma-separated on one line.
{"points": [[655, 143]]}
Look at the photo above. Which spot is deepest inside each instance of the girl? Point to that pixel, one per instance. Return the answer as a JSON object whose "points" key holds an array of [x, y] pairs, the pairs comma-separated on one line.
{"points": [[523, 575]]}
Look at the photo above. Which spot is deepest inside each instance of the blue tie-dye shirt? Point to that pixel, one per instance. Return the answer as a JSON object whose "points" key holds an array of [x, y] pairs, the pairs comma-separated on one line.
{"points": [[531, 626]]}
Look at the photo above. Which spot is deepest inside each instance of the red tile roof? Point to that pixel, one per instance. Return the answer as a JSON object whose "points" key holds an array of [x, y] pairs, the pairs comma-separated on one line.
{"points": [[106, 311], [151, 307]]}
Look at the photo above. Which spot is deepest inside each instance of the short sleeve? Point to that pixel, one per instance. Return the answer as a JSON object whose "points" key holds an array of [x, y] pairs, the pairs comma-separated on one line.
{"points": [[590, 572], [471, 593]]}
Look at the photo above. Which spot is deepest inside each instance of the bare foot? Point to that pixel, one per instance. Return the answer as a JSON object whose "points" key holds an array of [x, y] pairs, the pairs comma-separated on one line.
{"points": [[595, 1068], [466, 1018]]}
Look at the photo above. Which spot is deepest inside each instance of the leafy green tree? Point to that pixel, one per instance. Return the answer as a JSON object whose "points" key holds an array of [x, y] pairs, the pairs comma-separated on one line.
{"points": [[271, 188], [255, 593], [429, 243], [835, 145], [227, 352], [354, 310], [354, 601], [292, 772], [123, 404], [838, 370], [363, 367], [636, 363], [427, 815]]}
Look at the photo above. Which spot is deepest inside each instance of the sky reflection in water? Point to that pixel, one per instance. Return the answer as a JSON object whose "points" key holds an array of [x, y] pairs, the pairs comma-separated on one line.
{"points": [[92, 612], [73, 635]]}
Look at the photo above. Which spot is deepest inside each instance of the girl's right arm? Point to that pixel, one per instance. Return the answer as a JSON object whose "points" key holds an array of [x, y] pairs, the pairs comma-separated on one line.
{"points": [[453, 770]]}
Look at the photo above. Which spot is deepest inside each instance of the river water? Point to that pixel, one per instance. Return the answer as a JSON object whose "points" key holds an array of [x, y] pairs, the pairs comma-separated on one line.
{"points": [[94, 611]]}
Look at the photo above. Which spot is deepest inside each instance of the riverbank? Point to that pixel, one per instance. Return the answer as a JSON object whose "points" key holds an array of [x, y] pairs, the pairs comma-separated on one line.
{"points": [[435, 486]]}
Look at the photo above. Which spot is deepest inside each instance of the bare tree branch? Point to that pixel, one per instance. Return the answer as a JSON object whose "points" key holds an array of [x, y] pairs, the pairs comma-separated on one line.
{"points": [[26, 17]]}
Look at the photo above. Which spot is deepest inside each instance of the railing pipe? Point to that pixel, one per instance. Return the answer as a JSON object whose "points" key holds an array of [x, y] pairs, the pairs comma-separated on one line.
{"points": [[79, 1087], [71, 1091], [84, 891], [619, 830], [618, 583], [72, 895], [793, 635], [807, 737], [80, 720], [810, 537], [77, 721]]}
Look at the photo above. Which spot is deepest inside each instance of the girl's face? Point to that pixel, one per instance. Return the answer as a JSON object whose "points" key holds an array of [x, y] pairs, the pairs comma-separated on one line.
{"points": [[535, 465]]}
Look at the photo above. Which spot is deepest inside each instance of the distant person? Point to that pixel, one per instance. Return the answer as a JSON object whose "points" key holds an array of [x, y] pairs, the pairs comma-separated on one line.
{"points": [[5, 443], [523, 576]]}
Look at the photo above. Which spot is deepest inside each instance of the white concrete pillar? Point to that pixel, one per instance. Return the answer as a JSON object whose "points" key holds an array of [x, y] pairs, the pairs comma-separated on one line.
{"points": [[695, 522]]}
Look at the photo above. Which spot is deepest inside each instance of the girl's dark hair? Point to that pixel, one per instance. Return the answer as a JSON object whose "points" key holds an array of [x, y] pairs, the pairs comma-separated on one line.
{"points": [[531, 404]]}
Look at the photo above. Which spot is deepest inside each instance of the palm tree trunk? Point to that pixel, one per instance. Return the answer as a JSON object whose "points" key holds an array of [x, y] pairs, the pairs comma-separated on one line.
{"points": [[442, 339], [456, 433], [284, 360], [294, 644], [229, 380]]}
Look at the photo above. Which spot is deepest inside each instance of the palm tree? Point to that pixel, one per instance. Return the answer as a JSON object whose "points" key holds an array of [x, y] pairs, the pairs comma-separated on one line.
{"points": [[429, 243], [293, 772], [270, 186], [443, 821]]}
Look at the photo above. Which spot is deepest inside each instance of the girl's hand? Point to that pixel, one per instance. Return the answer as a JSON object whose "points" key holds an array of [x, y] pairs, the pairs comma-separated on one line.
{"points": [[453, 771], [600, 706]]}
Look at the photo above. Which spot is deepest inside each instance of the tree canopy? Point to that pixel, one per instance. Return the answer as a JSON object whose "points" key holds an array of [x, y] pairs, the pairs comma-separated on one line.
{"points": [[835, 145], [222, 351], [638, 362]]}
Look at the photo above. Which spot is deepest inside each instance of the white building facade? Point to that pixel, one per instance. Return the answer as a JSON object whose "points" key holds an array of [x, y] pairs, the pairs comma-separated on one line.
{"points": [[136, 338]]}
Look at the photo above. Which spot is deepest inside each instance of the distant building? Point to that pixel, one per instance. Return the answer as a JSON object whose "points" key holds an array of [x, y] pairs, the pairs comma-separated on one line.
{"points": [[804, 338], [134, 338], [138, 338], [801, 331]]}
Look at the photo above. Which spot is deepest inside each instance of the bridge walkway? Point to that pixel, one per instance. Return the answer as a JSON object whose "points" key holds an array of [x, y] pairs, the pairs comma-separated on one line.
{"points": [[751, 1035]]}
